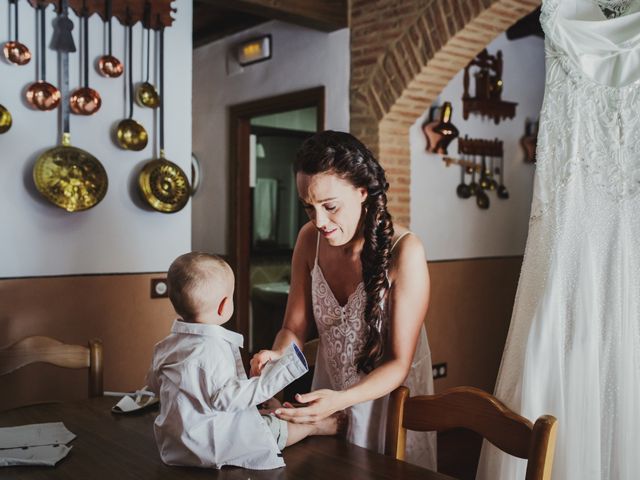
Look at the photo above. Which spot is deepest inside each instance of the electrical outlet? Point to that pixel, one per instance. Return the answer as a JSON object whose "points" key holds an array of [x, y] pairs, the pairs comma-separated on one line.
{"points": [[439, 370], [159, 288]]}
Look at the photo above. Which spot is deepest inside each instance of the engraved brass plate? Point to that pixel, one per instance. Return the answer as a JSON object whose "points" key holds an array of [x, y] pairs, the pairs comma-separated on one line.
{"points": [[70, 178], [164, 186]]}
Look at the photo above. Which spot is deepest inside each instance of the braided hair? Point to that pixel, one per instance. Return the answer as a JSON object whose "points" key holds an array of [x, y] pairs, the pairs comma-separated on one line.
{"points": [[344, 155]]}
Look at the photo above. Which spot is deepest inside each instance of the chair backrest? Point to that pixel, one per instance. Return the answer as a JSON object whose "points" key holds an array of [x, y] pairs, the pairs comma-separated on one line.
{"points": [[310, 351], [48, 350], [473, 409]]}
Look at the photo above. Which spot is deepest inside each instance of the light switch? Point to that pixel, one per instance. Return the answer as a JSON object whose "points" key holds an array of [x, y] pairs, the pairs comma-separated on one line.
{"points": [[159, 288]]}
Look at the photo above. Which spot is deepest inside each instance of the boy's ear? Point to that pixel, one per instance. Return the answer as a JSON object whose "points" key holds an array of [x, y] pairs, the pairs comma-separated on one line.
{"points": [[223, 303]]}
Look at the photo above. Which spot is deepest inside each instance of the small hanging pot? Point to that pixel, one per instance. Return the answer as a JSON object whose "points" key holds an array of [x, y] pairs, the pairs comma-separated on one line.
{"points": [[146, 93], [163, 185], [108, 65], [85, 100], [130, 134], [41, 94], [14, 51]]}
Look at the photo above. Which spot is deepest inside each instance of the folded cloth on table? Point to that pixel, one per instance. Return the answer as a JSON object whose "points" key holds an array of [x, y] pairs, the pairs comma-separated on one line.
{"points": [[35, 444], [47, 455]]}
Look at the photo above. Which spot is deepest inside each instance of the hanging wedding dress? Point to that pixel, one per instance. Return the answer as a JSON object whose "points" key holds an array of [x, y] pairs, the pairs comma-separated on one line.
{"points": [[573, 349]]}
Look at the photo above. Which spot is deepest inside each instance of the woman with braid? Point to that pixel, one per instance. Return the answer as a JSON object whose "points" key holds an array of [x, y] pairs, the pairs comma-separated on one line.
{"points": [[365, 285]]}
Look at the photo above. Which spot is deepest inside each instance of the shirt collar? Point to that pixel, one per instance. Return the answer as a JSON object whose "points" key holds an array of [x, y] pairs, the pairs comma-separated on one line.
{"points": [[208, 330]]}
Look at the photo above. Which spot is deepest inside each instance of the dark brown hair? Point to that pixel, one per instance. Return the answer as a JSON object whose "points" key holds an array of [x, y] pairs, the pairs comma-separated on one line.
{"points": [[344, 155]]}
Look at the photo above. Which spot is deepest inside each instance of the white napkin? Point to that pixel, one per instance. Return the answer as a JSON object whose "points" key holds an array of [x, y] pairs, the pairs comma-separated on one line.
{"points": [[42, 455], [129, 404], [35, 444]]}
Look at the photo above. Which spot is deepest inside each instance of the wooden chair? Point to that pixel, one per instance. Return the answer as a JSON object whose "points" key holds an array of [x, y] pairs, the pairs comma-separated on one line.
{"points": [[473, 409], [310, 350], [48, 350]]}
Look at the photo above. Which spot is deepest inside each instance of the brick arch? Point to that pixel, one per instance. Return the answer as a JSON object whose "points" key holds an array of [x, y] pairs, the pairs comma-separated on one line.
{"points": [[402, 57]]}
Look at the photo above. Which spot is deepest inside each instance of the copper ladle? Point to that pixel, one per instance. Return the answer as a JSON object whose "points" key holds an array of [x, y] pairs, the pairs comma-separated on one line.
{"points": [[130, 135], [14, 51], [5, 119], [85, 100], [108, 65], [146, 93], [41, 94]]}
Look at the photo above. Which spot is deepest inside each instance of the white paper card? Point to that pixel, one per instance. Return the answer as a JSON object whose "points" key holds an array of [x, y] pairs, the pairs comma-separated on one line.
{"points": [[54, 433], [42, 455]]}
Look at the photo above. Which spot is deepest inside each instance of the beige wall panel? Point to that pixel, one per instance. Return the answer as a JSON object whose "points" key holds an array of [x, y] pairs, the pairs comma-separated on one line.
{"points": [[468, 318], [115, 308]]}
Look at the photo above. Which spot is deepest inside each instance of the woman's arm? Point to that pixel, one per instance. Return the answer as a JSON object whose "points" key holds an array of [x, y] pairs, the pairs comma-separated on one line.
{"points": [[409, 299], [299, 312]]}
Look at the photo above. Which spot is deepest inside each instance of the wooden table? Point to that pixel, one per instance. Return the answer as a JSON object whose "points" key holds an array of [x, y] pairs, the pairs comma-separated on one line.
{"points": [[110, 446]]}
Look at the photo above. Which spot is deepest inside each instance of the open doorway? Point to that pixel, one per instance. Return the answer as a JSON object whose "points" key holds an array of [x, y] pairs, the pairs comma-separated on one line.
{"points": [[265, 212]]}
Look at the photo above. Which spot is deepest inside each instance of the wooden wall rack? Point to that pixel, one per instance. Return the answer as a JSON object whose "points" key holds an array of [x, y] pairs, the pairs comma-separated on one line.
{"points": [[160, 15]]}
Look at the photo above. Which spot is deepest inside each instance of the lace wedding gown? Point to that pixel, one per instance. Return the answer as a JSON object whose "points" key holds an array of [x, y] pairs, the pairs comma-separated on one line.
{"points": [[573, 349], [341, 330]]}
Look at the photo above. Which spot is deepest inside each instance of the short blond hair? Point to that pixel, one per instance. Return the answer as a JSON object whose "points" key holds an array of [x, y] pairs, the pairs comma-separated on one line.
{"points": [[197, 279]]}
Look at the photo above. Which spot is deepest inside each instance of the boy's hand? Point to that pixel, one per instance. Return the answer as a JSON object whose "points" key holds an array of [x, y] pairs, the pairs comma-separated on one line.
{"points": [[269, 406], [260, 359]]}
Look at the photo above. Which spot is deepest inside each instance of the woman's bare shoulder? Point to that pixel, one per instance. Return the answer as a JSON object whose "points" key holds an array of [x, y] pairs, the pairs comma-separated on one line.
{"points": [[407, 248], [306, 242]]}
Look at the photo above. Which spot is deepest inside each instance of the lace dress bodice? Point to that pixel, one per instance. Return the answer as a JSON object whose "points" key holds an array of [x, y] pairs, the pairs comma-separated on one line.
{"points": [[342, 330]]}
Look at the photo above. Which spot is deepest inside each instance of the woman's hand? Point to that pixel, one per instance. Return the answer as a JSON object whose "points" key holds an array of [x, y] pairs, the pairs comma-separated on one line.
{"points": [[320, 405], [260, 359]]}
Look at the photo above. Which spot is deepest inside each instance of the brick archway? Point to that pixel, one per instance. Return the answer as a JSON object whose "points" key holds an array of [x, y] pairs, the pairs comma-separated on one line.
{"points": [[403, 54]]}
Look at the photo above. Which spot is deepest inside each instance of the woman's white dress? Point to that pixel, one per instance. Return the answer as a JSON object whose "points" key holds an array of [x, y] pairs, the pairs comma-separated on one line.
{"points": [[342, 336], [573, 349]]}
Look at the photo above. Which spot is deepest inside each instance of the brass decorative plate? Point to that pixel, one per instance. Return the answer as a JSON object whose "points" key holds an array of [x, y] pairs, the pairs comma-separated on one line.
{"points": [[164, 186], [70, 178]]}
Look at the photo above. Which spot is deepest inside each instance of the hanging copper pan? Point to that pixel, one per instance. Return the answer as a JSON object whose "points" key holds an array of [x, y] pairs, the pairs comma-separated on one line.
{"points": [[67, 176], [162, 183]]}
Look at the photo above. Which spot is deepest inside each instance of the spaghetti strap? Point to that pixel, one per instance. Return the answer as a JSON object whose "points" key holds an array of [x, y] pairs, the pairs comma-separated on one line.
{"points": [[315, 263], [394, 243]]}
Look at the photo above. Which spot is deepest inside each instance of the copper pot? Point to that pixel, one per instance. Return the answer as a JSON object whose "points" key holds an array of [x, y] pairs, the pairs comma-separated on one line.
{"points": [[85, 100], [17, 53], [108, 65], [41, 94], [14, 51]]}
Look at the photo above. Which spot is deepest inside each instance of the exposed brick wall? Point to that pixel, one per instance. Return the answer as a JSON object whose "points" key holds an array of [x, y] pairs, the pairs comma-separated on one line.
{"points": [[403, 53]]}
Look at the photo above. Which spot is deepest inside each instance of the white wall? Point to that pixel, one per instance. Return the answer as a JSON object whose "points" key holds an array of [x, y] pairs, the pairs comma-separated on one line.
{"points": [[302, 58], [117, 235], [452, 228]]}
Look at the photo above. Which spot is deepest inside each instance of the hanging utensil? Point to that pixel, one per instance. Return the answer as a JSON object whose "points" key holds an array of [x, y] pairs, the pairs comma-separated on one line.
{"points": [[162, 183], [41, 94], [5, 119], [108, 65], [463, 190], [85, 100], [14, 51], [67, 176], [502, 190], [146, 93], [484, 175], [493, 184], [130, 135], [473, 186]]}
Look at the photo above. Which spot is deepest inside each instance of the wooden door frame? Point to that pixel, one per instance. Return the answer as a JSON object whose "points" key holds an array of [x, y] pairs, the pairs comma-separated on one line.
{"points": [[239, 197]]}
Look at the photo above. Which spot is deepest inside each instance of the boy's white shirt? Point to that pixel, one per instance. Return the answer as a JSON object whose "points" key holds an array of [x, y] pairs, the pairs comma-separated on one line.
{"points": [[208, 415]]}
